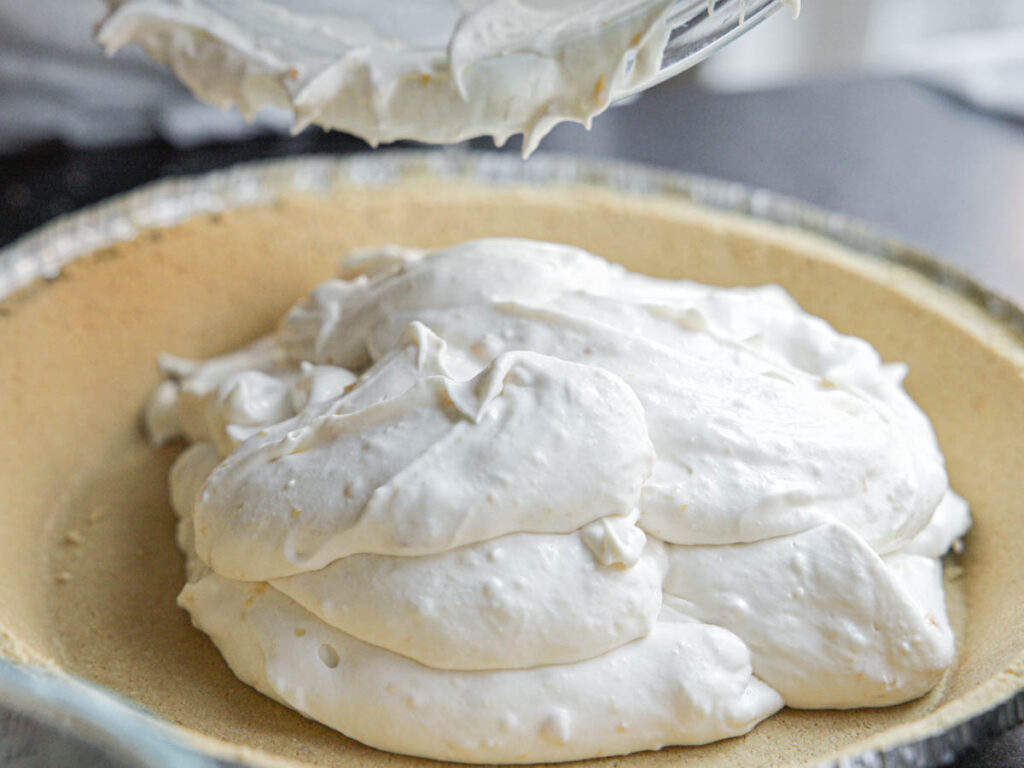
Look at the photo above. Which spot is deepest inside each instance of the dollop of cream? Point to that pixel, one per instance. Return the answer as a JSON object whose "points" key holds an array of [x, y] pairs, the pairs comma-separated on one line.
{"points": [[507, 502], [436, 70]]}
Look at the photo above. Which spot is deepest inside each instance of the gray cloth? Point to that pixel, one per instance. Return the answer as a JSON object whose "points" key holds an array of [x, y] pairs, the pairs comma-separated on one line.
{"points": [[56, 83]]}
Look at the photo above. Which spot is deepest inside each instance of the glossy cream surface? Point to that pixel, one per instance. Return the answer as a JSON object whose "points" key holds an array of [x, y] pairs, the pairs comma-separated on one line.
{"points": [[507, 502], [435, 71]]}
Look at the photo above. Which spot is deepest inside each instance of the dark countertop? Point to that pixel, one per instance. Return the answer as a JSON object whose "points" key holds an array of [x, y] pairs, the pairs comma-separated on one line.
{"points": [[905, 158], [911, 161]]}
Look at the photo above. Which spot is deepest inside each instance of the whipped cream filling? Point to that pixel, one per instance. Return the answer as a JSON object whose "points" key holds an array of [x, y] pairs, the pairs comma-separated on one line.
{"points": [[507, 502], [378, 468], [437, 71], [683, 683], [462, 609]]}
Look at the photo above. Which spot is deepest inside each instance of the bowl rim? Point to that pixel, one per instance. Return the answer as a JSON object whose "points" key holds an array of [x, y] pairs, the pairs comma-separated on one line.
{"points": [[42, 253]]}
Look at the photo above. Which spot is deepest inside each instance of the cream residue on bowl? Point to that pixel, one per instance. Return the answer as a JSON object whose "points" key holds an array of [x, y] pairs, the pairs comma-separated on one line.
{"points": [[439, 71], [507, 502]]}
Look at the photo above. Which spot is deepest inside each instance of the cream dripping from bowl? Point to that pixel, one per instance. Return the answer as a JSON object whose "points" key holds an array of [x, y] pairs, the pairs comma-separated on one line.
{"points": [[507, 502], [438, 71]]}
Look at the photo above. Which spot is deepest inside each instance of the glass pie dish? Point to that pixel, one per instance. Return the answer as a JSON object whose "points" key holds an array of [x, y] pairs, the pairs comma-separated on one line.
{"points": [[963, 343]]}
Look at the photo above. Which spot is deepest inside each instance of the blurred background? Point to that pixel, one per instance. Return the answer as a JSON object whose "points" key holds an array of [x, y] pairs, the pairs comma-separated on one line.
{"points": [[908, 114]]}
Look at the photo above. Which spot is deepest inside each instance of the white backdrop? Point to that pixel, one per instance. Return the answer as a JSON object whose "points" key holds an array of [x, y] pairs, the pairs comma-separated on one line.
{"points": [[972, 47]]}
